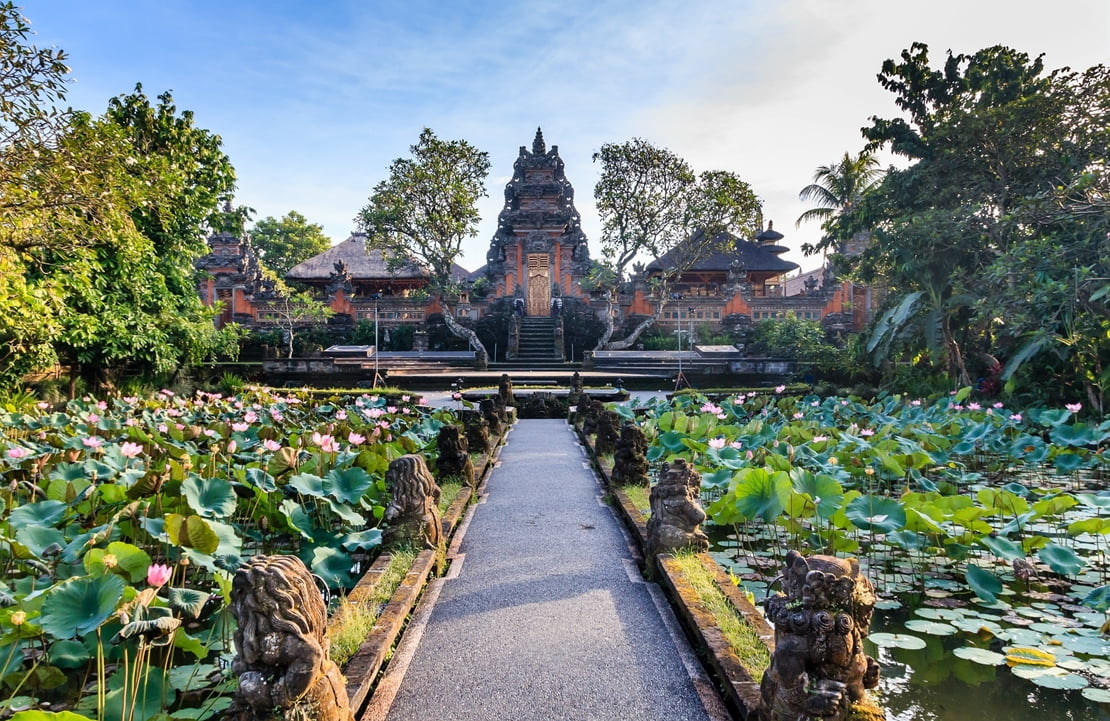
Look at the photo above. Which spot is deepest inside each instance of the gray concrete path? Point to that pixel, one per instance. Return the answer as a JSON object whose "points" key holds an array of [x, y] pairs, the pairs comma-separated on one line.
{"points": [[544, 615]]}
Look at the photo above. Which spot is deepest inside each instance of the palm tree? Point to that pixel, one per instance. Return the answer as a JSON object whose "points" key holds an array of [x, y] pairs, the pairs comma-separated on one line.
{"points": [[836, 189]]}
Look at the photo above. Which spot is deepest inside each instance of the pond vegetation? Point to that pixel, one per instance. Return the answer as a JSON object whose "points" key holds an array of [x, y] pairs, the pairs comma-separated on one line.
{"points": [[122, 522], [984, 528]]}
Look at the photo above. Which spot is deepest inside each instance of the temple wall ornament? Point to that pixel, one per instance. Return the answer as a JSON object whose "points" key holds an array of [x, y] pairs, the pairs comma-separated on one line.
{"points": [[819, 669], [281, 646], [676, 512]]}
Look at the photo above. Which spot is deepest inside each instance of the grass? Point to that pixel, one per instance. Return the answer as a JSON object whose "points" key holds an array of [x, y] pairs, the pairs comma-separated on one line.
{"points": [[744, 640], [640, 497], [352, 622], [448, 490]]}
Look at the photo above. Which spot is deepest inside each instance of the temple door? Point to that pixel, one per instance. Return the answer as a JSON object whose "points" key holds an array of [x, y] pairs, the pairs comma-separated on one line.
{"points": [[539, 284]]}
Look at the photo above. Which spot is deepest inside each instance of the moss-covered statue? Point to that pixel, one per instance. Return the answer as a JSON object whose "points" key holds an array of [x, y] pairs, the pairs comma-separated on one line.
{"points": [[282, 658], [819, 669]]}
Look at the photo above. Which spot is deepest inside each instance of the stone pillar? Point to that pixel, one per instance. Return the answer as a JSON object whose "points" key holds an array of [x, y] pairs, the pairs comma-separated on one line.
{"points": [[630, 465], [281, 646]]}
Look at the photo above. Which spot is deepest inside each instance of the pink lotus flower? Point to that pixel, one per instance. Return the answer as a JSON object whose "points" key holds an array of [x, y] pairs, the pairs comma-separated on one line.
{"points": [[17, 452], [406, 410], [973, 406], [158, 574], [102, 405], [867, 432], [232, 446], [130, 400], [341, 415], [818, 439], [92, 442], [391, 409], [780, 389], [239, 427], [1015, 417], [167, 392], [1074, 407], [996, 405], [276, 415], [271, 445], [210, 433], [735, 444], [375, 413], [93, 418], [130, 450], [42, 405], [250, 416], [709, 407], [799, 416], [355, 439], [717, 443], [163, 428], [326, 443], [915, 403], [404, 399], [131, 422]]}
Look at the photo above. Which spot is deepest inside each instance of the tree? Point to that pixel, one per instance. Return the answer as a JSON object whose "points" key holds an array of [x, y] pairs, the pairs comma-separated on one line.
{"points": [[425, 209], [998, 149], [142, 312], [284, 243], [650, 202], [836, 189], [294, 309]]}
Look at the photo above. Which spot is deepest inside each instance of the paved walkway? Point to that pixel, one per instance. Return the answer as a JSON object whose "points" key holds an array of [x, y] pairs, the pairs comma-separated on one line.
{"points": [[543, 614]]}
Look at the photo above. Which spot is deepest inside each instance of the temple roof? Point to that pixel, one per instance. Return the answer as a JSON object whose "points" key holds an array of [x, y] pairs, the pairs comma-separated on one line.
{"points": [[361, 264], [751, 257]]}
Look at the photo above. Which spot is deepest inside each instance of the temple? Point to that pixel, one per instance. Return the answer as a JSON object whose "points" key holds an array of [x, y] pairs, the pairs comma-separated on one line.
{"points": [[537, 259]]}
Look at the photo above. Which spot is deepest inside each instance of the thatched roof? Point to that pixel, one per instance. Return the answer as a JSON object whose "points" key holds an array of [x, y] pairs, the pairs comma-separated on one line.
{"points": [[752, 256], [361, 263]]}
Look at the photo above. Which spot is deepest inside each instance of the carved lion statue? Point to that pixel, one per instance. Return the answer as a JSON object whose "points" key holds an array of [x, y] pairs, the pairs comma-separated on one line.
{"points": [[676, 513], [282, 658], [413, 511], [819, 669]]}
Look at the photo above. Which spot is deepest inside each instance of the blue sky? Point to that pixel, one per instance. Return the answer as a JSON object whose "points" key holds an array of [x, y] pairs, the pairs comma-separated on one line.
{"points": [[313, 100]]}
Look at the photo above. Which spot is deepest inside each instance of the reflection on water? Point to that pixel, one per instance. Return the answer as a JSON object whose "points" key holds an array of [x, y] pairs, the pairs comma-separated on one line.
{"points": [[931, 684]]}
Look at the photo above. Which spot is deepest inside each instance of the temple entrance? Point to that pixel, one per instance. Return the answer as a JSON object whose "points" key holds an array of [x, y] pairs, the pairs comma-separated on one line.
{"points": [[539, 284]]}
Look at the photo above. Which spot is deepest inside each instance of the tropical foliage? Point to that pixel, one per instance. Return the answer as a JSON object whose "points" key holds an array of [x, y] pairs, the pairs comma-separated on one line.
{"points": [[993, 239], [284, 243]]}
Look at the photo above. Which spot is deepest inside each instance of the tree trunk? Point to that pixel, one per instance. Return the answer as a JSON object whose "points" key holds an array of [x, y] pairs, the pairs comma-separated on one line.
{"points": [[462, 331], [609, 325]]}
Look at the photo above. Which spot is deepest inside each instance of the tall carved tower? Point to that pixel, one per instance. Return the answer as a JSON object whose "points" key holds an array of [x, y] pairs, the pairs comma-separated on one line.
{"points": [[539, 251]]}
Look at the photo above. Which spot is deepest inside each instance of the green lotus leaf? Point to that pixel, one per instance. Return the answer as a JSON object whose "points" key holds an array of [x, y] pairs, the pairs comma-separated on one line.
{"points": [[759, 494], [875, 513], [897, 640], [209, 497], [1064, 680], [1003, 547], [191, 532], [1061, 559], [1074, 435], [985, 584], [979, 655], [348, 485], [129, 560], [672, 441], [1087, 645], [78, 606], [332, 565], [1098, 695], [69, 654], [1098, 599], [39, 715], [1017, 655], [363, 541], [933, 628], [188, 602], [308, 484], [260, 479], [299, 520], [38, 539], [43, 513], [1067, 462]]}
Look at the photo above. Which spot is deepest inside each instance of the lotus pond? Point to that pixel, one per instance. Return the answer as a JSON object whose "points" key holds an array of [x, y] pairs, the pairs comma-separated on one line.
{"points": [[122, 522], [983, 528]]}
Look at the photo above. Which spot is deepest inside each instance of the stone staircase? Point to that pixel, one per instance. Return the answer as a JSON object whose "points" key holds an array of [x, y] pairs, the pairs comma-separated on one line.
{"points": [[537, 341]]}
